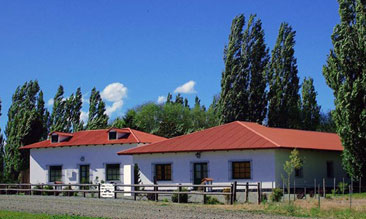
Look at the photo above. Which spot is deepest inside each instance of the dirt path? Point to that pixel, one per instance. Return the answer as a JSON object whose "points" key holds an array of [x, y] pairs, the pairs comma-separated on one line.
{"points": [[111, 208]]}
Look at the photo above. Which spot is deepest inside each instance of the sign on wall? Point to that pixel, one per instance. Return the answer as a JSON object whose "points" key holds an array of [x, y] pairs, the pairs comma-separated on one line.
{"points": [[107, 190]]}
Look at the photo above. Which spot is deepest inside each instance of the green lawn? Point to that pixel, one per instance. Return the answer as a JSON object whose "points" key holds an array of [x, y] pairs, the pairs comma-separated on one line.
{"points": [[14, 215]]}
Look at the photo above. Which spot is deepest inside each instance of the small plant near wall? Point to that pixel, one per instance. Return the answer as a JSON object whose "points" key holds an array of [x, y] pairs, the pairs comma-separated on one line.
{"points": [[227, 197], [212, 200], [290, 165], [276, 195], [342, 187], [183, 197]]}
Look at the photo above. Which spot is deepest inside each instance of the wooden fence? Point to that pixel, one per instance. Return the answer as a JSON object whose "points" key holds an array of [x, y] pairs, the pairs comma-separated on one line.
{"points": [[136, 189]]}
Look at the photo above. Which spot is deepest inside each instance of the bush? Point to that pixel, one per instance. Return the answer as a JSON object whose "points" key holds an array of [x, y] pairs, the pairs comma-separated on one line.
{"points": [[47, 187], [227, 197], [183, 197], [69, 193], [342, 187], [211, 200], [276, 195]]}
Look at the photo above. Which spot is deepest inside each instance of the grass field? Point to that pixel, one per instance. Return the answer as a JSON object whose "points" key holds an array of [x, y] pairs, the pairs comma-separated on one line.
{"points": [[14, 215]]}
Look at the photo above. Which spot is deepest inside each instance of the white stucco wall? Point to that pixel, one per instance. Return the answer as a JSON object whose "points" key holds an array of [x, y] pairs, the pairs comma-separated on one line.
{"points": [[314, 167], [69, 158], [219, 166]]}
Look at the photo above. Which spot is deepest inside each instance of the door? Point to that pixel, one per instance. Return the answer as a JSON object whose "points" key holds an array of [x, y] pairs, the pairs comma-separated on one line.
{"points": [[199, 172], [84, 174]]}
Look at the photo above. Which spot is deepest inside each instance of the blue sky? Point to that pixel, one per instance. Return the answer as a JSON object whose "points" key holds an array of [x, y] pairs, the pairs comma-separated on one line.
{"points": [[146, 49]]}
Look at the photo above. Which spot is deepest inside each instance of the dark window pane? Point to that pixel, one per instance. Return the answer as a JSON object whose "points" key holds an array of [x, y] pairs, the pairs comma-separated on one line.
{"points": [[113, 172], [241, 170], [163, 172], [112, 135], [55, 173], [54, 138]]}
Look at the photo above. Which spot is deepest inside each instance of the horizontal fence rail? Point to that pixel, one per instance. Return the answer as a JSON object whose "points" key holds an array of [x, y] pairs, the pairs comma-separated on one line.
{"points": [[228, 190]]}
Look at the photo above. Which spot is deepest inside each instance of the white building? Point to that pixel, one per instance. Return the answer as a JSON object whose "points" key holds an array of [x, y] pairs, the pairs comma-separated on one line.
{"points": [[240, 151], [85, 156]]}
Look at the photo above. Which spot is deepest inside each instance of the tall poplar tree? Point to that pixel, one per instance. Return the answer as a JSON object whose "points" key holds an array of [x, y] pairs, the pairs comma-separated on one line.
{"points": [[59, 120], [244, 81], [1, 152], [97, 117], [345, 73], [74, 105], [26, 125], [255, 57], [232, 59], [310, 110], [283, 96]]}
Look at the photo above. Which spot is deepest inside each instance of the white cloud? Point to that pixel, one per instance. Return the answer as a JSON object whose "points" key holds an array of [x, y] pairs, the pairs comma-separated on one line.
{"points": [[114, 93], [84, 116], [161, 99], [187, 88], [50, 102]]}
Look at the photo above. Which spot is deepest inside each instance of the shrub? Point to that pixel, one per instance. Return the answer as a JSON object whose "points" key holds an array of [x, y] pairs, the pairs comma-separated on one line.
{"points": [[47, 187], [276, 195], [211, 200], [227, 197], [342, 187], [37, 192], [183, 197], [68, 193]]}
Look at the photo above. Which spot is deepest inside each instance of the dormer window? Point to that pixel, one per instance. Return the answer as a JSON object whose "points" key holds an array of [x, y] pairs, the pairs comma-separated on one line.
{"points": [[54, 138], [112, 135]]}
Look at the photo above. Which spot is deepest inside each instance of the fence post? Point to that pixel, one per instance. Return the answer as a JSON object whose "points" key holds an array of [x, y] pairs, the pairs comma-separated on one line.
{"points": [[54, 188], [42, 189], [350, 197], [204, 195], [232, 194], [31, 189], [305, 192], [334, 185], [156, 189], [115, 191], [179, 190], [319, 196], [6, 189], [134, 190], [359, 186], [235, 188], [324, 187], [314, 188], [259, 193], [98, 190], [343, 185], [247, 192], [17, 189], [294, 190]]}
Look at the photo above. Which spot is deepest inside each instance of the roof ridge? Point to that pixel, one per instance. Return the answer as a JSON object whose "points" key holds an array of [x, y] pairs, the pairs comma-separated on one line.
{"points": [[138, 140], [257, 133]]}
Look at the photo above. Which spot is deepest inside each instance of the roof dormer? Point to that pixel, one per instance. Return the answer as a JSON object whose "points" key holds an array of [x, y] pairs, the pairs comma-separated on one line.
{"points": [[115, 134], [57, 137]]}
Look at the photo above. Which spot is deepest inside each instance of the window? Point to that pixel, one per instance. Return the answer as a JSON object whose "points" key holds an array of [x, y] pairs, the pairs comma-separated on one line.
{"points": [[241, 170], [55, 173], [112, 135], [54, 138], [113, 172], [163, 172], [84, 174], [299, 172], [330, 172]]}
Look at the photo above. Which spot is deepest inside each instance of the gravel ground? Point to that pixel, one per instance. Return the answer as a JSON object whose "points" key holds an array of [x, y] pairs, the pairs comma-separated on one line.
{"points": [[111, 208]]}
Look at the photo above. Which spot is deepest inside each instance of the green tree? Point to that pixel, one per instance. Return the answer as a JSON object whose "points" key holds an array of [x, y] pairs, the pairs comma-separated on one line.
{"points": [[97, 117], [255, 58], [73, 106], [175, 120], [244, 81], [148, 117], [1, 152], [179, 99], [283, 96], [26, 125], [59, 116], [290, 165], [232, 59], [310, 110], [327, 123], [345, 74]]}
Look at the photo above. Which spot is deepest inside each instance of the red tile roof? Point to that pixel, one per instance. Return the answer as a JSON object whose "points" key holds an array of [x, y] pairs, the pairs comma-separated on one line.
{"points": [[240, 136], [98, 137]]}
